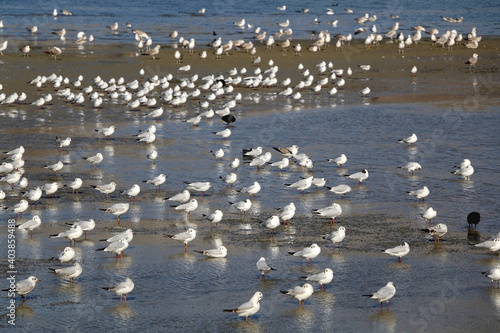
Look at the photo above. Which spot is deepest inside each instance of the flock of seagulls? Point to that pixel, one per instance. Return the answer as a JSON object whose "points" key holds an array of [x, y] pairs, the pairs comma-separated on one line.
{"points": [[141, 95]]}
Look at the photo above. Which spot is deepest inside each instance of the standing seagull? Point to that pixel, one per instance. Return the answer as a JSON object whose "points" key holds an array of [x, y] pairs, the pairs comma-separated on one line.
{"points": [[188, 207], [399, 251], [184, 237], [123, 288], [72, 234], [359, 176], [420, 194], [30, 225], [54, 51], [472, 62], [24, 287], [322, 278], [249, 308], [263, 267], [300, 293], [117, 209], [336, 236], [384, 294], [309, 253], [157, 181], [69, 272]]}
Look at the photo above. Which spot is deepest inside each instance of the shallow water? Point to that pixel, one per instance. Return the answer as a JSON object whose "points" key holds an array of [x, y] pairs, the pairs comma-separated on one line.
{"points": [[160, 18], [436, 284]]}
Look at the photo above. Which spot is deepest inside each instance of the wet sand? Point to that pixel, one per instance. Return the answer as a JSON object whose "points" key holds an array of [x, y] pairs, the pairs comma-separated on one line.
{"points": [[442, 74], [440, 287]]}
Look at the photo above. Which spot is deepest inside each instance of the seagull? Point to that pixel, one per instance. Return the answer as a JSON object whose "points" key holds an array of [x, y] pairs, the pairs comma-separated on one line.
{"points": [[69, 272], [54, 51], [254, 152], [336, 236], [341, 189], [55, 167], [214, 217], [302, 184], [287, 212], [409, 140], [300, 293], [384, 294], [263, 267], [25, 50], [72, 234], [322, 278], [340, 161], [359, 176], [309, 253], [66, 255], [20, 207], [284, 163], [220, 252], [188, 207], [106, 131], [34, 195], [180, 197], [472, 62], [271, 223], [11, 178], [50, 188], [105, 188], [242, 206], [252, 189], [465, 172], [230, 179], [116, 247], [429, 214], [219, 154], [87, 225], [410, 167], [24, 287], [493, 275], [413, 71], [491, 245], [96, 159], [153, 52], [399, 251], [117, 210], [75, 184], [113, 27], [437, 231], [132, 192], [259, 161], [198, 186], [157, 181], [3, 47], [420, 194], [31, 225], [128, 235], [123, 288], [331, 212], [184, 237], [63, 143], [288, 151], [224, 133], [249, 308]]}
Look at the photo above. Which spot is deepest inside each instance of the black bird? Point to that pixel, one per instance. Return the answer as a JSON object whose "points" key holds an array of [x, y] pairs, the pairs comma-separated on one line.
{"points": [[473, 219], [229, 118]]}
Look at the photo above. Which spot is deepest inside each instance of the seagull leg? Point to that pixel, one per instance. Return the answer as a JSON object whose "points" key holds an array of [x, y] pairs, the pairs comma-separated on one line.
{"points": [[185, 248], [31, 234]]}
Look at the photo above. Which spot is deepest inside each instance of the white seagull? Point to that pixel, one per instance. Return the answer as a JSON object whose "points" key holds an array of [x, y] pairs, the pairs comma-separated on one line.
{"points": [[123, 288], [359, 176], [184, 237], [263, 267], [399, 251], [322, 278], [309, 253], [220, 252], [332, 211], [249, 308], [409, 140], [117, 210], [72, 234], [300, 293], [69, 272], [336, 236], [384, 294], [31, 225], [187, 207], [420, 194]]}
